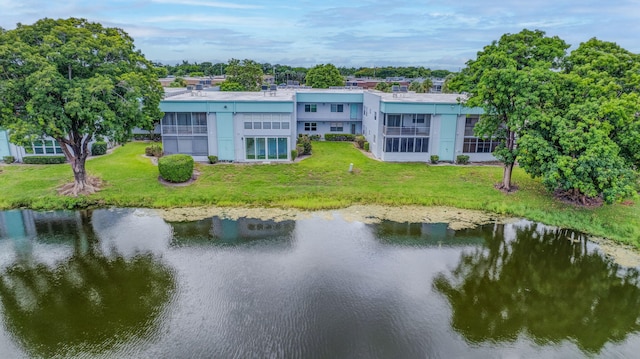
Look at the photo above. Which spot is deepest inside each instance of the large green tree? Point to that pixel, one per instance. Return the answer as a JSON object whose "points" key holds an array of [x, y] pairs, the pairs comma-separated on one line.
{"points": [[247, 73], [509, 79], [587, 144], [323, 76], [74, 80]]}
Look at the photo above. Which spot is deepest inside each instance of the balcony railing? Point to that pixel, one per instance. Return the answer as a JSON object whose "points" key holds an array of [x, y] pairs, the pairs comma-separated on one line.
{"points": [[184, 130], [405, 131]]}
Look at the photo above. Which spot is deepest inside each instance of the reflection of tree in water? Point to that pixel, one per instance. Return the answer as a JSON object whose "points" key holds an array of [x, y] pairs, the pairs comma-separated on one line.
{"points": [[85, 303], [542, 285]]}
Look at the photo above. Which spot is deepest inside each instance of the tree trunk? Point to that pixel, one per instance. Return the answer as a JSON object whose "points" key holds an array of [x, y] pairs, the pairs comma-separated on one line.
{"points": [[506, 177], [79, 174]]}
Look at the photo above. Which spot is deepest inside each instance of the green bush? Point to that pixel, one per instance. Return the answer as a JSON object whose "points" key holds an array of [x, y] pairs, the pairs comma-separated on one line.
{"points": [[462, 159], [366, 146], [434, 159], [9, 159], [213, 159], [155, 137], [98, 148], [339, 137], [360, 140], [154, 150], [176, 168], [44, 160], [294, 155], [304, 145]]}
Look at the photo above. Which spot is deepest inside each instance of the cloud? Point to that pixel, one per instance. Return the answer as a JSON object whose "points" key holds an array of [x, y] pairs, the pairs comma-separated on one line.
{"points": [[216, 4]]}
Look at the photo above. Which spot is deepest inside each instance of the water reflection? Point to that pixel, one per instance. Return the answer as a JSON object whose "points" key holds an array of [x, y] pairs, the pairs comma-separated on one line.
{"points": [[88, 299], [123, 283], [543, 283], [426, 234], [224, 231]]}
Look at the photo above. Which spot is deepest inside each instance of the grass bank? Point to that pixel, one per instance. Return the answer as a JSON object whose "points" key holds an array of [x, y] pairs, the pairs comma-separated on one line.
{"points": [[321, 181]]}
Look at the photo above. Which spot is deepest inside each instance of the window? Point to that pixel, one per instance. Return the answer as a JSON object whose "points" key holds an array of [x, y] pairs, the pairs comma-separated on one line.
{"points": [[336, 127], [473, 144], [406, 144], [266, 125], [310, 108], [248, 126], [310, 126], [266, 148], [284, 125], [337, 107], [49, 147], [275, 125], [257, 125], [186, 132], [184, 123]]}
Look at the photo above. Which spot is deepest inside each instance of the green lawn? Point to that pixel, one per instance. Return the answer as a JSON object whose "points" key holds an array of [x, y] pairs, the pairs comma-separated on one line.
{"points": [[321, 181]]}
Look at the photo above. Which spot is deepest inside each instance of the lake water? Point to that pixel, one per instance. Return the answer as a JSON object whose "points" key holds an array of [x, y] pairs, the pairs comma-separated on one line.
{"points": [[123, 283]]}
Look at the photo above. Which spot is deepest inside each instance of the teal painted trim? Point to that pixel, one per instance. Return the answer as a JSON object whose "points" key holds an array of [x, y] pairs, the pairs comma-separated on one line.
{"points": [[4, 144], [183, 106], [224, 129], [448, 125], [429, 108], [264, 106], [330, 97], [227, 106]]}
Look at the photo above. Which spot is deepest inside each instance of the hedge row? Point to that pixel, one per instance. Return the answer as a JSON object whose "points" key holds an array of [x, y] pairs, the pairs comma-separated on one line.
{"points": [[44, 160], [339, 137]]}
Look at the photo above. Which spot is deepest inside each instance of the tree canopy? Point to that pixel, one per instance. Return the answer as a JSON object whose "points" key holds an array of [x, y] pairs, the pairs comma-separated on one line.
{"points": [[75, 81], [575, 117], [508, 80], [247, 73], [324, 76]]}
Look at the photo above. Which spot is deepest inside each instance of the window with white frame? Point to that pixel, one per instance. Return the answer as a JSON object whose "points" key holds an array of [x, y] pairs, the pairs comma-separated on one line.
{"points": [[311, 107], [473, 144], [406, 144], [184, 123], [337, 107], [336, 127], [45, 147], [266, 148]]}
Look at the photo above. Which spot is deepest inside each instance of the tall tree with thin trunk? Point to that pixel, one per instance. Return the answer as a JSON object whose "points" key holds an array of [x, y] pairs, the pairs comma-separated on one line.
{"points": [[74, 81], [504, 81]]}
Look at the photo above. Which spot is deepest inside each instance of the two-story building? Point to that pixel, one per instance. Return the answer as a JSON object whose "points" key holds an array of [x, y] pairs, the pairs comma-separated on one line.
{"points": [[264, 126]]}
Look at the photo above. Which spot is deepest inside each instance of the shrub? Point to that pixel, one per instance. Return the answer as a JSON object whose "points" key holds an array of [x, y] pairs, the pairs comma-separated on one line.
{"points": [[155, 137], [360, 140], [154, 150], [434, 159], [44, 160], [213, 159], [462, 159], [315, 137], [176, 168], [339, 137], [366, 146], [98, 148], [304, 145], [9, 159], [294, 155]]}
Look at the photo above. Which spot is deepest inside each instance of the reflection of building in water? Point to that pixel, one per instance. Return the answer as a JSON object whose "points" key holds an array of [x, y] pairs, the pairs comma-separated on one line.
{"points": [[17, 225], [230, 231], [47, 226], [425, 234], [250, 228]]}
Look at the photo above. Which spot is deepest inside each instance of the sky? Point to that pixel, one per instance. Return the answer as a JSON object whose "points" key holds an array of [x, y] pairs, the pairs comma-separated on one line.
{"points": [[354, 33]]}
